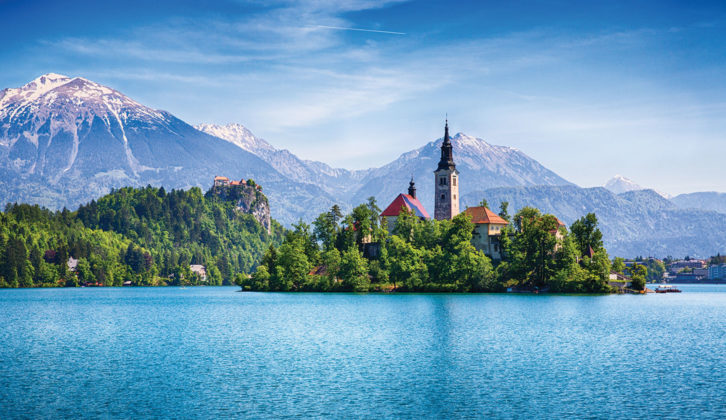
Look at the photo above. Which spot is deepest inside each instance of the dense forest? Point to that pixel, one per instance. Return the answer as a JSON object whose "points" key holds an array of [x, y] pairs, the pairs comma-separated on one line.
{"points": [[356, 253], [143, 236]]}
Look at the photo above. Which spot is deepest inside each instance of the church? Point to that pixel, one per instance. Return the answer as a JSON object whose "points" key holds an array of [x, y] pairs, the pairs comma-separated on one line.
{"points": [[487, 225], [446, 180]]}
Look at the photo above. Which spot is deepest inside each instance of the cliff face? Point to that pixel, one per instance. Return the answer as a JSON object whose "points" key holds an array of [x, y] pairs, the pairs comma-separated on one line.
{"points": [[248, 198]]}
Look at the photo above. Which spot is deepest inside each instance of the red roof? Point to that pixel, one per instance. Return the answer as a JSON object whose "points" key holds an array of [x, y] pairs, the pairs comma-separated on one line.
{"points": [[409, 203], [482, 215], [221, 178]]}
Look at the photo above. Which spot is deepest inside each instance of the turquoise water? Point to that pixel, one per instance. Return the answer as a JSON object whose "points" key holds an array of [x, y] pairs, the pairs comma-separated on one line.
{"points": [[213, 352]]}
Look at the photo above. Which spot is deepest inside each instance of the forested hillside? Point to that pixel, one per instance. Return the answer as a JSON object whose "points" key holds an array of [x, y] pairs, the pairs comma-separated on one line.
{"points": [[144, 236]]}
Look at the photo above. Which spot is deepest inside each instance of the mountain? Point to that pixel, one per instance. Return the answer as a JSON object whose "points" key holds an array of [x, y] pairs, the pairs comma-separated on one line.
{"points": [[633, 223], [620, 184], [482, 165], [335, 181], [65, 141], [715, 201], [476, 159]]}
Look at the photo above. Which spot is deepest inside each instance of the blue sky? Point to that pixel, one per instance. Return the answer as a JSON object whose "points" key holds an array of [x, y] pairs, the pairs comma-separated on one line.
{"points": [[590, 89]]}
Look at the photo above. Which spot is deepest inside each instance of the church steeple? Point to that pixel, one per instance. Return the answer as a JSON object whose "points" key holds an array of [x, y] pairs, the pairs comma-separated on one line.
{"points": [[447, 153], [446, 181], [412, 188]]}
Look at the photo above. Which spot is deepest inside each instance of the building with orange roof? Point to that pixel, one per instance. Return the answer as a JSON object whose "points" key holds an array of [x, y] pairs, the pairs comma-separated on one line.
{"points": [[487, 231], [220, 181]]}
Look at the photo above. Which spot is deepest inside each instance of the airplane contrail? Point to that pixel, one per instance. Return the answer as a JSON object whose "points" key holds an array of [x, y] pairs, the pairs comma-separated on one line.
{"points": [[360, 30]]}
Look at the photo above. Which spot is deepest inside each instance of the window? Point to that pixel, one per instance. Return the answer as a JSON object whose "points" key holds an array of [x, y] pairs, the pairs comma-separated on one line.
{"points": [[442, 181], [443, 196], [453, 182], [454, 196]]}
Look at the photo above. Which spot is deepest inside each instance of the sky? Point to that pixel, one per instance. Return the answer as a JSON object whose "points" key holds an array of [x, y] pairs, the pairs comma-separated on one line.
{"points": [[590, 89]]}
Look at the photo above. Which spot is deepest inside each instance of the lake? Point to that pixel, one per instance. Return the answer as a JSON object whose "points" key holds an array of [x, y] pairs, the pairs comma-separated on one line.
{"points": [[213, 352]]}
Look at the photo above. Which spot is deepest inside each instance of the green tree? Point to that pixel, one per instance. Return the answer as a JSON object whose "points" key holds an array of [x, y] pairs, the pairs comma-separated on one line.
{"points": [[504, 211], [293, 265], [586, 234], [638, 274], [618, 265], [83, 271], [354, 270]]}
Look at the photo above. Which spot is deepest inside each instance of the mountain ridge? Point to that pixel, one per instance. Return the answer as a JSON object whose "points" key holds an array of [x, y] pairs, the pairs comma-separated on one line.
{"points": [[65, 141]]}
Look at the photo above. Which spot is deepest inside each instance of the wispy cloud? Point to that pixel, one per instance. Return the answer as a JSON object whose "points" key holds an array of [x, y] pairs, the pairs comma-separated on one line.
{"points": [[359, 30]]}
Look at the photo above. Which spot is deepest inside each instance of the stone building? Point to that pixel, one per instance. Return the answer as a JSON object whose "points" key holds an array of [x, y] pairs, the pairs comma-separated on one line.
{"points": [[487, 231], [446, 182]]}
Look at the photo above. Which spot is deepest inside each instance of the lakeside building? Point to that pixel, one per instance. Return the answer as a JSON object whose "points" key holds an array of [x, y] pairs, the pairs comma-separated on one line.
{"points": [[717, 272], [487, 231], [678, 266], [199, 270]]}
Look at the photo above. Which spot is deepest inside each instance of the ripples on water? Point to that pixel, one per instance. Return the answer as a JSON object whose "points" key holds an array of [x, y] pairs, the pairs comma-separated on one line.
{"points": [[212, 352]]}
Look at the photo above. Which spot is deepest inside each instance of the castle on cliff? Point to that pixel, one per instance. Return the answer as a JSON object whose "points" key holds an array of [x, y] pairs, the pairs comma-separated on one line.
{"points": [[247, 196]]}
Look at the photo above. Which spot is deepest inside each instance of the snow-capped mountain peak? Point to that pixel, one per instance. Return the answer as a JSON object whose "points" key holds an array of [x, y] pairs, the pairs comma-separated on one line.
{"points": [[620, 184], [237, 134], [55, 110]]}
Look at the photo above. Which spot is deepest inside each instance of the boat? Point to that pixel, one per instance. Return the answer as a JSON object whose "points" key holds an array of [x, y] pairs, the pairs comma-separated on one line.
{"points": [[667, 288]]}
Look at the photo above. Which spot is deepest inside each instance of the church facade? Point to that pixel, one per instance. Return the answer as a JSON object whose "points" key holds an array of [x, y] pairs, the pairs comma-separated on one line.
{"points": [[446, 179]]}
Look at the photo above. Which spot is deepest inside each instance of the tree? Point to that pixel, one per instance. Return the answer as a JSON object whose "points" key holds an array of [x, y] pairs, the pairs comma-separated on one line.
{"points": [[586, 233], [638, 274], [354, 270], [331, 261], [325, 231], [293, 265], [335, 214], [484, 203], [504, 210], [532, 251], [83, 271], [618, 265], [406, 264], [260, 280]]}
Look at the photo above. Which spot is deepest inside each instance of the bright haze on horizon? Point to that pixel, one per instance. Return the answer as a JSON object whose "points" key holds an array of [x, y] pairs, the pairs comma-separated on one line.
{"points": [[588, 89]]}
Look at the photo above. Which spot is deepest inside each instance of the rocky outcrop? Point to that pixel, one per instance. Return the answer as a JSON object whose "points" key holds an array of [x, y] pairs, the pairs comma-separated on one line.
{"points": [[248, 199]]}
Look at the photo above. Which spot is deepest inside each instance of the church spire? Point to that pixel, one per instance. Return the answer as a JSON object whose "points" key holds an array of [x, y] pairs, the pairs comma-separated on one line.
{"points": [[412, 188], [446, 131], [447, 154]]}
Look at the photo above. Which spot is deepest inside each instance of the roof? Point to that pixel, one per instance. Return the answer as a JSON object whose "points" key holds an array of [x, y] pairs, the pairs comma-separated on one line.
{"points": [[590, 253], [560, 222], [482, 215], [221, 178], [407, 202]]}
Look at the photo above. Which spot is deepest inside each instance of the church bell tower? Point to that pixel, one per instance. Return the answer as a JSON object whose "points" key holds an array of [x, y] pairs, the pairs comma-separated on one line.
{"points": [[447, 182]]}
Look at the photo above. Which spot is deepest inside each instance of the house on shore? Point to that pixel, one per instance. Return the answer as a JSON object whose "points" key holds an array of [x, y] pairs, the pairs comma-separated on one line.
{"points": [[200, 270], [487, 231]]}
